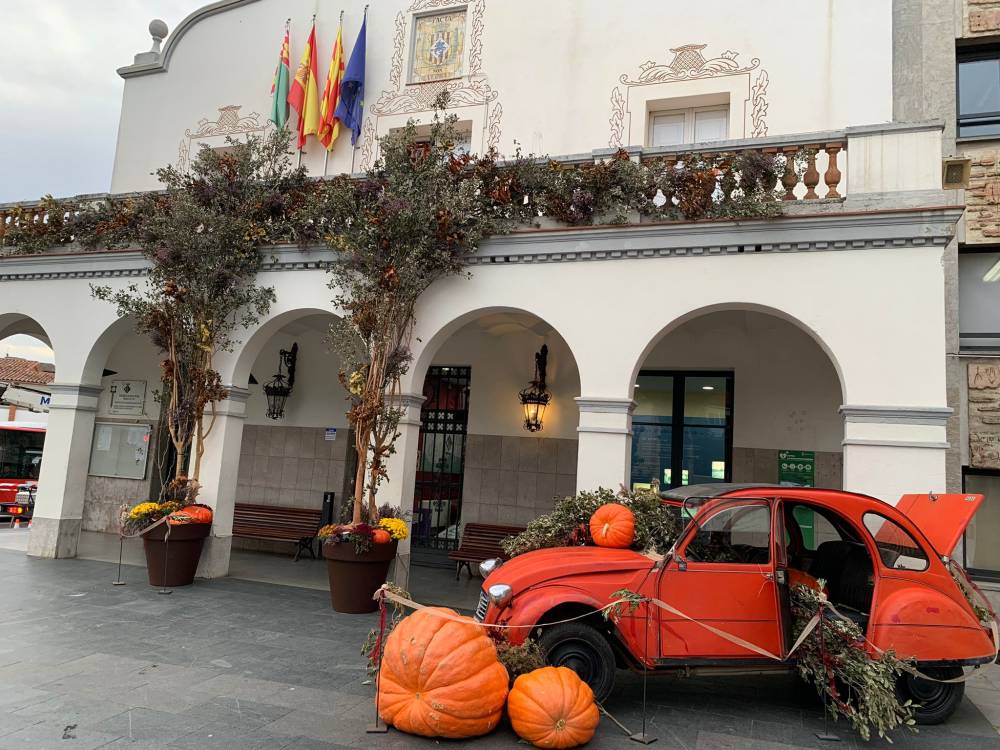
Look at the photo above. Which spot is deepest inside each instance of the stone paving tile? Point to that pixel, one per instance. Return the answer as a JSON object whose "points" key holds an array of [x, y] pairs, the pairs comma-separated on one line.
{"points": [[149, 725], [70, 709], [234, 664], [58, 736]]}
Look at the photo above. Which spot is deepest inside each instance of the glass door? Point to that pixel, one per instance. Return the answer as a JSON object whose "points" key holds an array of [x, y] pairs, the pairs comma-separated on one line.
{"points": [[981, 542], [682, 428]]}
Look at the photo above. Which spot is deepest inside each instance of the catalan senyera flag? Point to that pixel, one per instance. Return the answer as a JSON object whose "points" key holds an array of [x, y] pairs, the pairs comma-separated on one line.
{"points": [[279, 86], [304, 94], [329, 125]]}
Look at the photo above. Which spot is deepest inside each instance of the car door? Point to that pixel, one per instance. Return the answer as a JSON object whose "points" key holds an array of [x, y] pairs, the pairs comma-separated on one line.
{"points": [[723, 575]]}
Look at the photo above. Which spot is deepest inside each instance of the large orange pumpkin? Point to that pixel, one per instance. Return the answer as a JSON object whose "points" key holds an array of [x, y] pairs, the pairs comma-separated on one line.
{"points": [[612, 525], [552, 708], [441, 678], [190, 514], [381, 536]]}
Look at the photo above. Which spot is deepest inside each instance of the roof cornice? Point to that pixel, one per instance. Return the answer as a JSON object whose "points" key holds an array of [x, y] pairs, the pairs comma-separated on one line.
{"points": [[161, 61]]}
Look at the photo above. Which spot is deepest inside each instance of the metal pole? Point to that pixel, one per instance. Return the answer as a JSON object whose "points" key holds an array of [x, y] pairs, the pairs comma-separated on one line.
{"points": [[166, 547], [826, 735], [121, 545], [642, 737]]}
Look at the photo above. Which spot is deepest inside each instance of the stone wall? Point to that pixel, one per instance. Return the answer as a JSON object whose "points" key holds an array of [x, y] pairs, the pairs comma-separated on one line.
{"points": [[104, 496], [511, 480], [761, 465], [982, 199], [980, 18], [290, 466]]}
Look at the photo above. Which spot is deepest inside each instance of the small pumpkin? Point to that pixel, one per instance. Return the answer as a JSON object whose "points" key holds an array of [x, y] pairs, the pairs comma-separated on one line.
{"points": [[552, 707], [199, 513], [612, 525], [381, 536], [441, 677]]}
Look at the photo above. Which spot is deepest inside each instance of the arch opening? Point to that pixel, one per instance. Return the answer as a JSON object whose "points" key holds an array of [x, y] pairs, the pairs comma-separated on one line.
{"points": [[736, 394]]}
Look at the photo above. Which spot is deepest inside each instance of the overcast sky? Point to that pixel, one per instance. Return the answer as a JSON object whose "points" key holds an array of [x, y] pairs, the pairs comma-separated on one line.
{"points": [[60, 97]]}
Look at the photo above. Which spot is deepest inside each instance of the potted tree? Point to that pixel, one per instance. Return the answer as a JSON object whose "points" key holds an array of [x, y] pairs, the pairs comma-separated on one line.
{"points": [[202, 237], [410, 221]]}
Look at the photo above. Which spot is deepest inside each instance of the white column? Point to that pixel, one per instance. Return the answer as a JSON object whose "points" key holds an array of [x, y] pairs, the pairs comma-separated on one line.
{"points": [[402, 469], [55, 528], [219, 468], [605, 442], [890, 451]]}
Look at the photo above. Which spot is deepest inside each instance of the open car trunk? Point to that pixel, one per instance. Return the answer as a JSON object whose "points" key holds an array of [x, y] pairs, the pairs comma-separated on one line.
{"points": [[942, 518]]}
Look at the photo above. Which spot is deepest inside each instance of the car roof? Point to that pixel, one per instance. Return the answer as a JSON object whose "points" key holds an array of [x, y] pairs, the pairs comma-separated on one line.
{"points": [[708, 491]]}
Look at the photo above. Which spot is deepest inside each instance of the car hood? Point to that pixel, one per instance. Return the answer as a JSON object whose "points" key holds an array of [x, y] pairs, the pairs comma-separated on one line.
{"points": [[541, 565], [942, 518]]}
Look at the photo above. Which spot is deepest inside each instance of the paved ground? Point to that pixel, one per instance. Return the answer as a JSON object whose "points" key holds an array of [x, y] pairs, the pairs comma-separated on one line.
{"points": [[254, 666]]}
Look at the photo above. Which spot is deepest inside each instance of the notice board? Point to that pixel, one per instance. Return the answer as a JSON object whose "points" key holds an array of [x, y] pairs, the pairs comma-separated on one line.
{"points": [[119, 450]]}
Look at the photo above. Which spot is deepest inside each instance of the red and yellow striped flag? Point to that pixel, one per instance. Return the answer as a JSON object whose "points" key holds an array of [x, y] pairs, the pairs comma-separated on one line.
{"points": [[329, 124], [304, 94]]}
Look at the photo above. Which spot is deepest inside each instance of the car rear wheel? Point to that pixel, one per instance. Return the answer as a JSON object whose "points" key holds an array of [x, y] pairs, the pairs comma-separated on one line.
{"points": [[933, 702], [584, 650]]}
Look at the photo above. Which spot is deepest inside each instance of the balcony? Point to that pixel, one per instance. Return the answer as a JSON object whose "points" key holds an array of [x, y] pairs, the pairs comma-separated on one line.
{"points": [[858, 169]]}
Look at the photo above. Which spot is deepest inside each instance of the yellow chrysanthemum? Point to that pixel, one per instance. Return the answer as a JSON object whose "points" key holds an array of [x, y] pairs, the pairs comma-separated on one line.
{"points": [[142, 509], [397, 527]]}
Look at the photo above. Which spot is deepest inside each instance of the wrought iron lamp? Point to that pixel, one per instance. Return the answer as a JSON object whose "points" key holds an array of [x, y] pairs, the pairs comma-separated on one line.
{"points": [[280, 386], [536, 396]]}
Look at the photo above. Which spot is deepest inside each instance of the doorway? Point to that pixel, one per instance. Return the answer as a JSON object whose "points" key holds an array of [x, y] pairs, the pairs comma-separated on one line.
{"points": [[682, 428], [437, 496], [980, 547]]}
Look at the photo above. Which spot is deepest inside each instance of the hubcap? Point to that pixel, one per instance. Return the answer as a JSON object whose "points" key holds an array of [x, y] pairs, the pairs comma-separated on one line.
{"points": [[929, 695], [578, 656]]}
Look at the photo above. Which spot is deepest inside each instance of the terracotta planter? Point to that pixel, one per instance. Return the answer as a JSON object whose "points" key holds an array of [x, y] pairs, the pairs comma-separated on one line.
{"points": [[174, 563], [354, 578]]}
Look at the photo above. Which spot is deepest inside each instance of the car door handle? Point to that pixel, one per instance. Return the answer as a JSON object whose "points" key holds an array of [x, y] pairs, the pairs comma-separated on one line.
{"points": [[769, 576]]}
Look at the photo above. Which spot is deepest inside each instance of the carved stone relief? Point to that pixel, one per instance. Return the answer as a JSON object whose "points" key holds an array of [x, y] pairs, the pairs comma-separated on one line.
{"points": [[229, 123], [689, 63], [470, 90], [984, 416]]}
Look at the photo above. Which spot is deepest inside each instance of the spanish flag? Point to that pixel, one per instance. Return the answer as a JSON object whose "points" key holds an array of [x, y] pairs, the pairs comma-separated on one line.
{"points": [[329, 125], [304, 96]]}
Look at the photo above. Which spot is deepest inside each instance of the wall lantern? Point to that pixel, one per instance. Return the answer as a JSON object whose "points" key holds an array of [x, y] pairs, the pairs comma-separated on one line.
{"points": [[536, 396], [279, 388]]}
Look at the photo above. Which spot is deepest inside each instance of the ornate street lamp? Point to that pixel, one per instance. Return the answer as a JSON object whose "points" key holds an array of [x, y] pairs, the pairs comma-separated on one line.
{"points": [[279, 388], [536, 396]]}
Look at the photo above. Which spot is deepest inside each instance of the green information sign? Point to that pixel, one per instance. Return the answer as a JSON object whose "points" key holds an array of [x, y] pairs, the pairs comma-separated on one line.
{"points": [[796, 468]]}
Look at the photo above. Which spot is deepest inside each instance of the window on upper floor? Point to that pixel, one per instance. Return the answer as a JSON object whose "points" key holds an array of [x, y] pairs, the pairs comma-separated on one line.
{"points": [[979, 92], [675, 127], [979, 299]]}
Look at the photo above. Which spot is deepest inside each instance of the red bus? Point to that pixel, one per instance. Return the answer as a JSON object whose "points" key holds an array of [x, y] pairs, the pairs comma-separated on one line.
{"points": [[20, 461]]}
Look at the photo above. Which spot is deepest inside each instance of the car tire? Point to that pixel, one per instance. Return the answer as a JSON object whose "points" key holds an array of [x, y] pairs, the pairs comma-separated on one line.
{"points": [[583, 649], [933, 702]]}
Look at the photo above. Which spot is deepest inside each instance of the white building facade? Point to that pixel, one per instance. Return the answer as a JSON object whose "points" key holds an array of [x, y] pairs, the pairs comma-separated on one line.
{"points": [[678, 352]]}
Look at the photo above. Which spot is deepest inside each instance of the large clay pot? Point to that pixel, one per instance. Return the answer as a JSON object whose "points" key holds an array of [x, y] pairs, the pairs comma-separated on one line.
{"points": [[355, 578], [174, 562]]}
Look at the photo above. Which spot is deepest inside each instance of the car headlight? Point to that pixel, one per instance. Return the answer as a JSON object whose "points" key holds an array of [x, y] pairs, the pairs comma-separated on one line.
{"points": [[500, 594], [488, 566]]}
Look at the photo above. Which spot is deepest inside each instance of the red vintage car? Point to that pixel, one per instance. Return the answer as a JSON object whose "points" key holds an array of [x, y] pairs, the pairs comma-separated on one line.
{"points": [[884, 566]]}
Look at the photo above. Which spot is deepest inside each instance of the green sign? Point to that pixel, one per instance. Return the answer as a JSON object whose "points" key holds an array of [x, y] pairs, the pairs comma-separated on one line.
{"points": [[796, 468]]}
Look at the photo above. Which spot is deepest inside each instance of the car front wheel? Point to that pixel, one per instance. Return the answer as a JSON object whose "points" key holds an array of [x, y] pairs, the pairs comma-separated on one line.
{"points": [[584, 650], [933, 702]]}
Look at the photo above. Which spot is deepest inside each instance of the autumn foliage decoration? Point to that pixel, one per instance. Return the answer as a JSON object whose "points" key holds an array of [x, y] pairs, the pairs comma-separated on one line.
{"points": [[440, 676], [202, 237]]}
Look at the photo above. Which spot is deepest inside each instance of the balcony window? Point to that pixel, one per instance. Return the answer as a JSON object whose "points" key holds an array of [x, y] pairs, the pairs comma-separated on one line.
{"points": [[979, 93], [692, 125]]}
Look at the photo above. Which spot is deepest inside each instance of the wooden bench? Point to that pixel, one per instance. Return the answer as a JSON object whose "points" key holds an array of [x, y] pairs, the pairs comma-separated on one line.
{"points": [[480, 541], [276, 523]]}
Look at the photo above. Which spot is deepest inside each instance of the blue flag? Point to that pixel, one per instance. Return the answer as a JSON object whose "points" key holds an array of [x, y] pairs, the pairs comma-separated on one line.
{"points": [[350, 108]]}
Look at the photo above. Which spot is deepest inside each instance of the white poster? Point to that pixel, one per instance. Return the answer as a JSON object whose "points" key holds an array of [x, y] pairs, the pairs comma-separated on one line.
{"points": [[128, 397]]}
